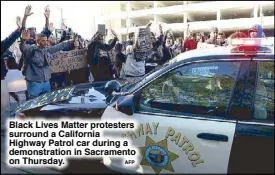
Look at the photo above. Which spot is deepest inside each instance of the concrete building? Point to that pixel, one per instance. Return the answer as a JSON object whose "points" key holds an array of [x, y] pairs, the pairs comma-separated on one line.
{"points": [[228, 16]]}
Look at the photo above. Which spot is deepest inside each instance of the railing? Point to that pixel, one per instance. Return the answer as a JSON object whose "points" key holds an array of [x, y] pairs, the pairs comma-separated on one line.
{"points": [[230, 24], [197, 7]]}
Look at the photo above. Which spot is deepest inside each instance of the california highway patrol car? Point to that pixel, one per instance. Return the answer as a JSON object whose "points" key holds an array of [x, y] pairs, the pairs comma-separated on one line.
{"points": [[205, 111]]}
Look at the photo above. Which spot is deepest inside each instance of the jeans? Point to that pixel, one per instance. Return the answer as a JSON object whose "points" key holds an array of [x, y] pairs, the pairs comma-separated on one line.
{"points": [[36, 89]]}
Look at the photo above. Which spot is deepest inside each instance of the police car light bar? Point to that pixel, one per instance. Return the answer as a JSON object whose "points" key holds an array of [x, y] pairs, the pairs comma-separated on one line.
{"points": [[251, 42]]}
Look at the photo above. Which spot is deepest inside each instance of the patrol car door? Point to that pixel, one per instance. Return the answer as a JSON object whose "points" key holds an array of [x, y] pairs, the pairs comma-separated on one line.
{"points": [[253, 146], [183, 123]]}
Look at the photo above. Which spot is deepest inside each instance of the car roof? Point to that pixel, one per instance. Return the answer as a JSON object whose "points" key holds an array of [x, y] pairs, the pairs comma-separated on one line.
{"points": [[215, 51]]}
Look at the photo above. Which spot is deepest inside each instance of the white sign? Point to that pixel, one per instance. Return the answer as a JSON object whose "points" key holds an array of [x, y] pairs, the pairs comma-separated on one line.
{"points": [[67, 61]]}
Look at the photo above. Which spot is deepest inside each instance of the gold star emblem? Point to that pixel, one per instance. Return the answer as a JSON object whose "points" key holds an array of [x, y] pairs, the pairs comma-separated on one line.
{"points": [[157, 155]]}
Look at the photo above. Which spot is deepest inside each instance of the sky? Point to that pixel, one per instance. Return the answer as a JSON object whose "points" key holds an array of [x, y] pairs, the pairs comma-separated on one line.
{"points": [[78, 15]]}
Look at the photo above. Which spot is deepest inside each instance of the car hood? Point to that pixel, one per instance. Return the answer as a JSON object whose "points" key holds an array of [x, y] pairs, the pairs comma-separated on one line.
{"points": [[77, 98]]}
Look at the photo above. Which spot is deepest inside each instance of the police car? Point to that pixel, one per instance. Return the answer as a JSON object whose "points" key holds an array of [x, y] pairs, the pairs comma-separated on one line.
{"points": [[205, 111]]}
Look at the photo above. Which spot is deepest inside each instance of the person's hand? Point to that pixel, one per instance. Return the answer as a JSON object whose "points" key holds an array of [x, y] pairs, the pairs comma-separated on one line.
{"points": [[114, 33], [149, 24], [26, 35], [28, 11], [18, 22], [47, 12], [160, 28]]}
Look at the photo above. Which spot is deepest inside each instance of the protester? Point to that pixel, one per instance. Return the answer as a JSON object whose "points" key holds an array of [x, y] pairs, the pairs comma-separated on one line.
{"points": [[213, 35], [119, 66], [235, 35], [200, 40], [99, 59], [37, 67], [5, 45], [190, 42], [221, 39], [15, 80], [177, 47], [157, 51], [167, 46], [256, 31], [74, 74], [131, 38], [112, 54], [134, 69], [31, 40]]}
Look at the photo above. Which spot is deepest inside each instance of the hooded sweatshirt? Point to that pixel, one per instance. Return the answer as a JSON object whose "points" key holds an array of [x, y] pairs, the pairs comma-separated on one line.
{"points": [[258, 28]]}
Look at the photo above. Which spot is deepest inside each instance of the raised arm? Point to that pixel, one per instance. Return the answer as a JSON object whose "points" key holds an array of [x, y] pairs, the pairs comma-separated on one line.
{"points": [[6, 43], [113, 43], [25, 48], [66, 45], [160, 39], [47, 16]]}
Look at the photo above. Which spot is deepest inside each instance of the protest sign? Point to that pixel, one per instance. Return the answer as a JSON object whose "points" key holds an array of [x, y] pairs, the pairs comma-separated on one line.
{"points": [[101, 29], [67, 61], [143, 43]]}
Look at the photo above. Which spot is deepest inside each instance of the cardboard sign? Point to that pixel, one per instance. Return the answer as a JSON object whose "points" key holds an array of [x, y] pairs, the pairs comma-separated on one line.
{"points": [[48, 98], [101, 29], [67, 61], [143, 42]]}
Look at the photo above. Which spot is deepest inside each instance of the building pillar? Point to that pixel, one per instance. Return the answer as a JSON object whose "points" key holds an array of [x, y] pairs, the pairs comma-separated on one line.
{"points": [[219, 14], [185, 33], [185, 17], [255, 11], [155, 4], [128, 10]]}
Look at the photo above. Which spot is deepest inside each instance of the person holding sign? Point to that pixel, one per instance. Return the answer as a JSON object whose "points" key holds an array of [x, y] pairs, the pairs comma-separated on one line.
{"points": [[99, 58], [74, 74], [135, 62], [167, 46], [38, 72]]}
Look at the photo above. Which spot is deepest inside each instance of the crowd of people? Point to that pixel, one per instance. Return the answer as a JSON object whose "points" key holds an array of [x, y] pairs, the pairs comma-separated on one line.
{"points": [[105, 60]]}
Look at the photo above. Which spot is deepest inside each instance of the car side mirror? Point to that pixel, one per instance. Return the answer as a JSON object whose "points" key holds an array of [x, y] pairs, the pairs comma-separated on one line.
{"points": [[126, 104]]}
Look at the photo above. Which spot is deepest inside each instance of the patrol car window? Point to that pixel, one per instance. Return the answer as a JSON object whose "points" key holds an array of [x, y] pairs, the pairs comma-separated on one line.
{"points": [[264, 98], [199, 88]]}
